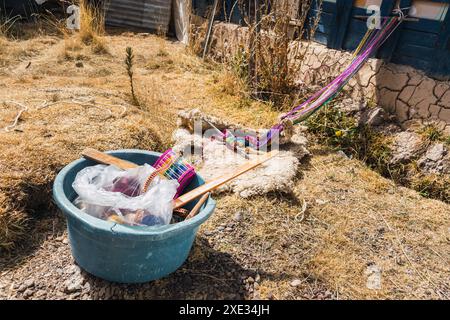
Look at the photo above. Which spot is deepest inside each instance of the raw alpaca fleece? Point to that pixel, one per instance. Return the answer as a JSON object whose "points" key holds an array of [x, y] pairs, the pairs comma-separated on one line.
{"points": [[277, 174]]}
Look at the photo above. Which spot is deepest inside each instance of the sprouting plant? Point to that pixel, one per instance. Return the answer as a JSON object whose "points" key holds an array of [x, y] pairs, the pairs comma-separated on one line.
{"points": [[129, 62], [432, 133]]}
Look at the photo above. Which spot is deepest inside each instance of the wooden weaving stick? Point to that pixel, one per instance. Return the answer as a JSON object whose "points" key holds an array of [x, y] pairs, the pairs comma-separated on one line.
{"points": [[184, 199]]}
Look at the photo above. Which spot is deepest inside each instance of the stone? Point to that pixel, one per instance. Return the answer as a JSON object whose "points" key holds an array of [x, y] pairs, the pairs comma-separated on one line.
{"points": [[436, 152], [350, 106], [28, 293], [295, 283], [433, 159], [415, 79], [29, 283], [422, 109], [445, 100], [406, 146], [444, 115], [73, 269], [388, 99], [434, 111], [375, 64], [373, 117], [406, 93], [373, 273], [364, 75], [424, 93], [237, 216], [440, 89], [402, 111], [392, 81], [74, 284], [79, 64]]}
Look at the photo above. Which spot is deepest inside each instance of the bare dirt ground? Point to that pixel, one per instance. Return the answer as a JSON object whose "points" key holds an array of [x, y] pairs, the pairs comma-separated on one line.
{"points": [[345, 233]]}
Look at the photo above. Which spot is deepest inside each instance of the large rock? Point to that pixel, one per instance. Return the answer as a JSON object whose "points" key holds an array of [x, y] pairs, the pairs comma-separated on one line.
{"points": [[433, 160], [406, 146], [373, 117]]}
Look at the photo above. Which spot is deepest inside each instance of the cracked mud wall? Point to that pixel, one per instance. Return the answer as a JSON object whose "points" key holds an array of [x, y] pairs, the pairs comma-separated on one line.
{"points": [[401, 90]]}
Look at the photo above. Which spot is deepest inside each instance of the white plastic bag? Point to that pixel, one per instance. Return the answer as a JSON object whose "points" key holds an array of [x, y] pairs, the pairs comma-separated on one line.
{"points": [[109, 193]]}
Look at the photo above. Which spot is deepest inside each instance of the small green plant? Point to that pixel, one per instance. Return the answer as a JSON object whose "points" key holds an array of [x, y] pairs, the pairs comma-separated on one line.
{"points": [[339, 131], [432, 133], [129, 63], [239, 64], [431, 186], [335, 129]]}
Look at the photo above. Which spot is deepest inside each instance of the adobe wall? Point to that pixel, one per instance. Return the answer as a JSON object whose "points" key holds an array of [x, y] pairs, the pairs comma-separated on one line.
{"points": [[401, 90]]}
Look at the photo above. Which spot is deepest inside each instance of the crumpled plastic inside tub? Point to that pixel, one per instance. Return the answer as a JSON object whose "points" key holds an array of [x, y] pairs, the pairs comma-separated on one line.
{"points": [[109, 193]]}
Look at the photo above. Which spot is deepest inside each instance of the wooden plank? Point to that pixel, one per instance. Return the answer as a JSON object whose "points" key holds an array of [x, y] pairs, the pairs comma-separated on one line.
{"points": [[387, 50], [411, 50], [340, 25], [321, 37], [419, 38], [198, 206], [441, 57], [105, 158], [429, 26], [412, 61]]}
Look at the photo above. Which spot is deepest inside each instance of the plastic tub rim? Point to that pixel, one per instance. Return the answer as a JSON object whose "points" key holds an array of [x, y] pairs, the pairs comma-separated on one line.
{"points": [[70, 210]]}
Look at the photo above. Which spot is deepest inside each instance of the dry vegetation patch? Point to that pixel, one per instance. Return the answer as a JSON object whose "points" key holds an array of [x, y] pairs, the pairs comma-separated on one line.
{"points": [[341, 219]]}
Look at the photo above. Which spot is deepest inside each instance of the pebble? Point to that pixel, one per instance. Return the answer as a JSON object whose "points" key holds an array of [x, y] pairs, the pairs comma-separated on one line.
{"points": [[237, 216], [257, 278], [220, 228], [296, 283], [87, 287], [321, 202], [250, 280], [74, 284], [40, 293], [65, 241], [228, 229], [29, 283], [25, 285], [28, 293]]}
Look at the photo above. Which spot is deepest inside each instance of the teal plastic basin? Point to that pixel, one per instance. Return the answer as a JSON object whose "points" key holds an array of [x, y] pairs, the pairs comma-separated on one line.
{"points": [[121, 253]]}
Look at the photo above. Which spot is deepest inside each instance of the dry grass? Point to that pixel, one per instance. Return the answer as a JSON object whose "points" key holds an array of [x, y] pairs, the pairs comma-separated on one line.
{"points": [[353, 216], [267, 61], [52, 136], [90, 36]]}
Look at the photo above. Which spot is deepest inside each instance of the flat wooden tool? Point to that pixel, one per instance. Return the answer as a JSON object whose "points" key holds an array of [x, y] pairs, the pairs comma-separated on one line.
{"points": [[105, 158], [191, 195], [197, 207]]}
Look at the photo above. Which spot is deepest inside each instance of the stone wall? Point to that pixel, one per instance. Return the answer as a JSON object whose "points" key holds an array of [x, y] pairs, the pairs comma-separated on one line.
{"points": [[403, 91]]}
